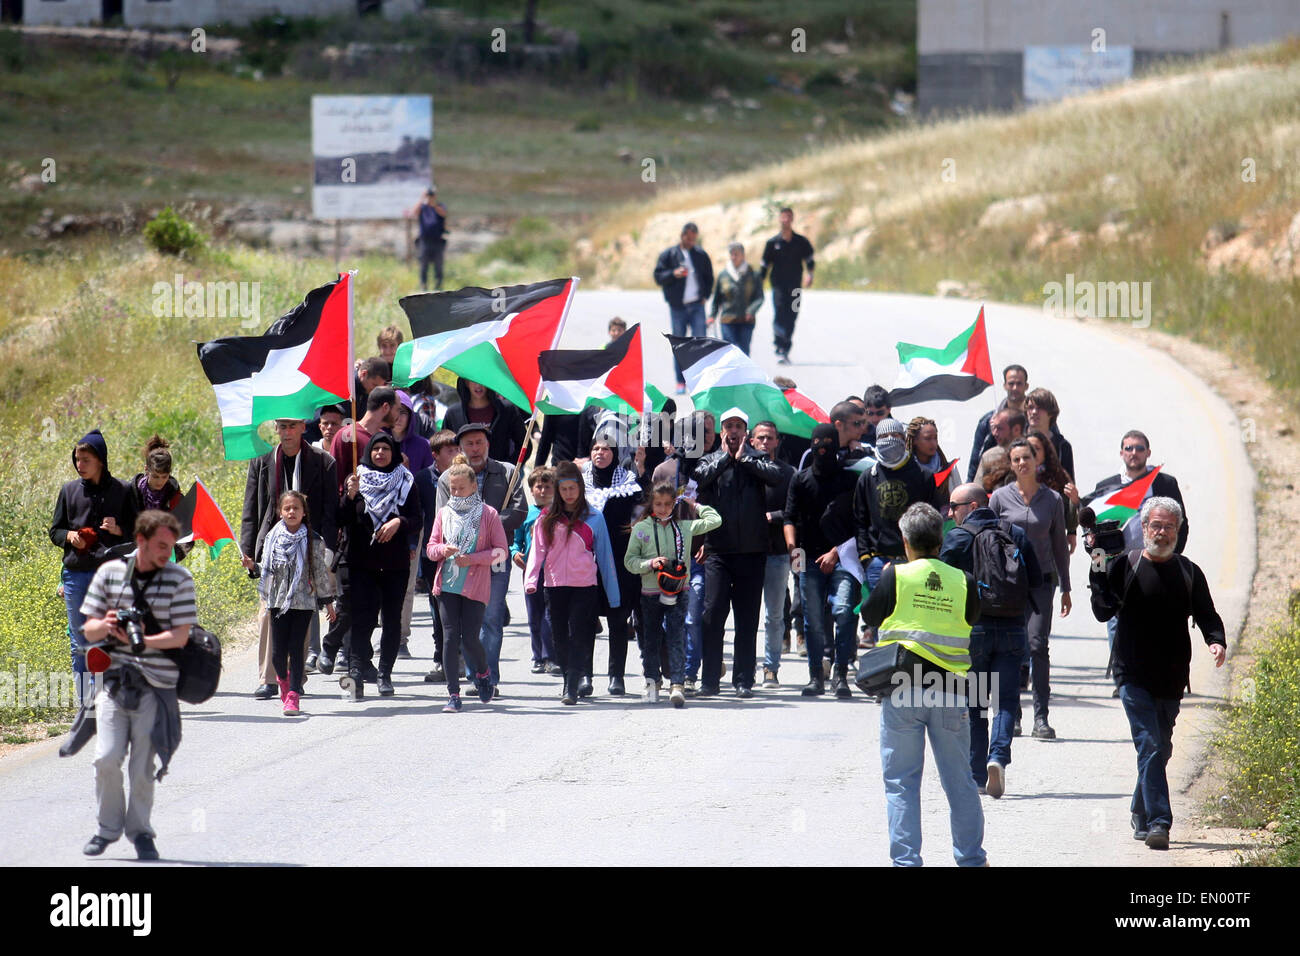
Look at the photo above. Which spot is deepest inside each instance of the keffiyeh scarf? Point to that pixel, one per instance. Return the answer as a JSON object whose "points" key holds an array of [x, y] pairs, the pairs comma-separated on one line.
{"points": [[283, 549], [384, 491], [461, 518], [623, 484]]}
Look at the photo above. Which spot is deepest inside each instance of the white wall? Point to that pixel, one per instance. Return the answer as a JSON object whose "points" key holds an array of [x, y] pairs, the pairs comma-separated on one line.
{"points": [[65, 13], [1173, 26]]}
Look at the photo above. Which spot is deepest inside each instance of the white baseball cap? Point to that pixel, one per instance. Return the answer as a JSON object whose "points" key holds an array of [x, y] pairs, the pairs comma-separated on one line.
{"points": [[733, 413]]}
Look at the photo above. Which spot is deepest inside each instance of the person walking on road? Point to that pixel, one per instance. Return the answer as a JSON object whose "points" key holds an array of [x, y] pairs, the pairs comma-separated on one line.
{"points": [[1040, 511], [776, 575], [998, 639], [685, 273], [1015, 380], [734, 480], [661, 545], [572, 562], [785, 256], [737, 297], [431, 218], [1152, 592], [929, 608], [294, 582], [467, 538]]}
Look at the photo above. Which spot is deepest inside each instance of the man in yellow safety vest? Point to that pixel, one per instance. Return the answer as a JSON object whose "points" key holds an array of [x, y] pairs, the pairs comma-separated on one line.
{"points": [[928, 607]]}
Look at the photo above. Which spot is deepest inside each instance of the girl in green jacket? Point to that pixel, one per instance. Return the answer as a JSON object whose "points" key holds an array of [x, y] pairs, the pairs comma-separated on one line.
{"points": [[660, 551]]}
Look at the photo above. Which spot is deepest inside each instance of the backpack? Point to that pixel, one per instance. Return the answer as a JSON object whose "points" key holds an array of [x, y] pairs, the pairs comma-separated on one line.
{"points": [[199, 661], [200, 666], [1000, 573]]}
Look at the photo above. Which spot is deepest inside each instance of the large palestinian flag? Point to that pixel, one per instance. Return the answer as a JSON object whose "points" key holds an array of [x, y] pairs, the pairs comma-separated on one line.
{"points": [[490, 336], [611, 377], [201, 519], [720, 376], [303, 361], [1121, 504], [954, 372]]}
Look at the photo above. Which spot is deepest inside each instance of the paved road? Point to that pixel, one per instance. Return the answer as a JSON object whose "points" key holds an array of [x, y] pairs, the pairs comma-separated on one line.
{"points": [[777, 779]]}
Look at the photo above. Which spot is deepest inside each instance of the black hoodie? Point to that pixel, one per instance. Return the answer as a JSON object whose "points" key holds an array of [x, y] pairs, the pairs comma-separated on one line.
{"points": [[82, 504], [506, 434]]}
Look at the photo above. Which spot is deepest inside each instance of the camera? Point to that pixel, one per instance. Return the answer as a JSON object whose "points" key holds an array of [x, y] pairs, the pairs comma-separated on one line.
{"points": [[133, 620], [1107, 536], [671, 581]]}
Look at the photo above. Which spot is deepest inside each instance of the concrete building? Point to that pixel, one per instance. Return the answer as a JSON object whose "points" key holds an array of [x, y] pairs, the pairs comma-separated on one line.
{"points": [[1000, 54], [184, 14]]}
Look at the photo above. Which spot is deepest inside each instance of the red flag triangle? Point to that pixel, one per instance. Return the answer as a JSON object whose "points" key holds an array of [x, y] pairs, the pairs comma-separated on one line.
{"points": [[942, 476], [328, 362], [977, 353], [627, 378]]}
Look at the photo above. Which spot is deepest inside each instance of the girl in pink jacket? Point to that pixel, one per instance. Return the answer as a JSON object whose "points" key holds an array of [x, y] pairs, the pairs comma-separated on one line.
{"points": [[468, 539], [571, 552]]}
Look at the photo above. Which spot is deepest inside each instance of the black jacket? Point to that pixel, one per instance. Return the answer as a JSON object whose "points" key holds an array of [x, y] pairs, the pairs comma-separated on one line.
{"points": [[737, 488], [879, 500], [1064, 452], [507, 428], [83, 505], [559, 440], [1165, 485], [775, 503], [673, 287], [818, 507], [1153, 648], [358, 530], [317, 479]]}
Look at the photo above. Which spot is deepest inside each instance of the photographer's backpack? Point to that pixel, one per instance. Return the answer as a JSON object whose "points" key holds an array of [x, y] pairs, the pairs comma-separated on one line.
{"points": [[200, 666], [1000, 574]]}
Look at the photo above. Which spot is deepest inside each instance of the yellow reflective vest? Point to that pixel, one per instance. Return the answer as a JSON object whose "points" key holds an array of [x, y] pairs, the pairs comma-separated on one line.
{"points": [[929, 616]]}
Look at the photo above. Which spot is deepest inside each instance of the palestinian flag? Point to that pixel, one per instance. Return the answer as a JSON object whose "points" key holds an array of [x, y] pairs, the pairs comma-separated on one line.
{"points": [[942, 476], [303, 361], [201, 520], [489, 336], [955, 372], [720, 376], [611, 377], [802, 403], [1121, 504]]}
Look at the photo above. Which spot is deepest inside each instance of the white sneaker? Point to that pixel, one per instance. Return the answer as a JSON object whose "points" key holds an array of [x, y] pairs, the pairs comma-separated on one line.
{"points": [[678, 696], [997, 780], [651, 692]]}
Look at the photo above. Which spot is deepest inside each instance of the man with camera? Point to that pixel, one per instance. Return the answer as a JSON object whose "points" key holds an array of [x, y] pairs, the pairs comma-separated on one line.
{"points": [[144, 607], [734, 480], [1151, 592]]}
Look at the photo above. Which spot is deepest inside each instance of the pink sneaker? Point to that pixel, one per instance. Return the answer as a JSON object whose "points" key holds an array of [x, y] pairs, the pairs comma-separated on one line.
{"points": [[284, 687], [291, 704]]}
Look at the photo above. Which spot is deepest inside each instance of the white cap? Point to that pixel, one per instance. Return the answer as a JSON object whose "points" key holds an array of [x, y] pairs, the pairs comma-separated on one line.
{"points": [[733, 413]]}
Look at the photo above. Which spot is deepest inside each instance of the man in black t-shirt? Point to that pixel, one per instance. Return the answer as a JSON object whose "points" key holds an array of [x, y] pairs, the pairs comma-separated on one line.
{"points": [[784, 258], [1152, 592]]}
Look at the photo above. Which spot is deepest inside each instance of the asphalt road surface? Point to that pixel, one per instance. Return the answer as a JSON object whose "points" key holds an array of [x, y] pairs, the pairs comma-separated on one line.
{"points": [[774, 780]]}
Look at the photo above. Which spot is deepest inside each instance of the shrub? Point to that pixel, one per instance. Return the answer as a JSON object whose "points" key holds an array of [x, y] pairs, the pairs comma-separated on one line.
{"points": [[170, 234]]}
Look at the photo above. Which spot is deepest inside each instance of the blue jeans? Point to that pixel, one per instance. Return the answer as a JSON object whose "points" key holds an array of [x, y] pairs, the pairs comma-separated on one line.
{"points": [[494, 625], [1151, 719], [694, 620], [539, 625], [688, 316], [997, 646], [75, 585], [902, 759], [664, 625], [774, 579], [840, 590], [739, 334]]}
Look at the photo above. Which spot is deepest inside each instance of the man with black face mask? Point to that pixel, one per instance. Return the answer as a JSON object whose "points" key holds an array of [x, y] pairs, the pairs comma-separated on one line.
{"points": [[882, 494], [818, 517]]}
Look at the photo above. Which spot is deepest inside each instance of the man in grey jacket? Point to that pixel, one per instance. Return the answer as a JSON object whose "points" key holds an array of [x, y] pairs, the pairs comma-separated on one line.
{"points": [[493, 480]]}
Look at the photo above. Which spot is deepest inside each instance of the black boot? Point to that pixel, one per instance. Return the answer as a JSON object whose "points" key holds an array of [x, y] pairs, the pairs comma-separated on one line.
{"points": [[584, 685], [616, 687], [570, 688], [814, 688], [385, 683], [840, 684]]}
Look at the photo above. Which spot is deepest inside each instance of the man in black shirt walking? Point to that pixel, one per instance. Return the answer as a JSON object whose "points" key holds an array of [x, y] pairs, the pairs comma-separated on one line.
{"points": [[784, 259], [1152, 592]]}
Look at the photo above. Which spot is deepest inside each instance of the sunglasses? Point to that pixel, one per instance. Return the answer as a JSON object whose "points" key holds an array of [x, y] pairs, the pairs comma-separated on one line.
{"points": [[1135, 447]]}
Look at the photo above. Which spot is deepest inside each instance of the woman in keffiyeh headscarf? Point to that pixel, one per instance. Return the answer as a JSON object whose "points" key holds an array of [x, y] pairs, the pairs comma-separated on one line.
{"points": [[614, 492], [382, 521]]}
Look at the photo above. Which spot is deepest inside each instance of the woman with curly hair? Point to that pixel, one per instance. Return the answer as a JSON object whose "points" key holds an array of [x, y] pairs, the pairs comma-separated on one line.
{"points": [[923, 442]]}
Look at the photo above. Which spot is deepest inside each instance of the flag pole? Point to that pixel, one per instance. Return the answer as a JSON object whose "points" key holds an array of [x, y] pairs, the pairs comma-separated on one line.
{"points": [[352, 374], [537, 397]]}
